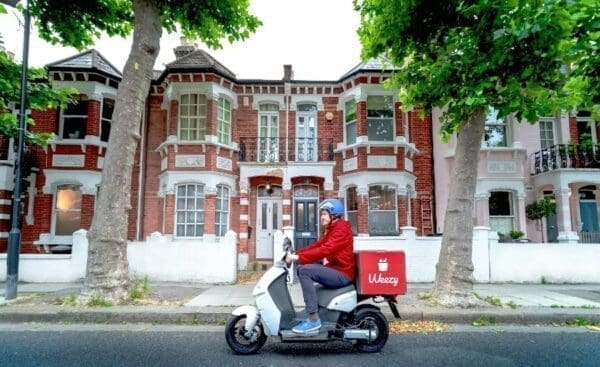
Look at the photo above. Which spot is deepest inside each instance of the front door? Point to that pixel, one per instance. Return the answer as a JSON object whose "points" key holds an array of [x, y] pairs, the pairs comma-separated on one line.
{"points": [[589, 216], [551, 228], [268, 221], [306, 220]]}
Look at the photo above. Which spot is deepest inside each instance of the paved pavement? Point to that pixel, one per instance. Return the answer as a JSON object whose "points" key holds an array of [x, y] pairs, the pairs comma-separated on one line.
{"points": [[193, 303]]}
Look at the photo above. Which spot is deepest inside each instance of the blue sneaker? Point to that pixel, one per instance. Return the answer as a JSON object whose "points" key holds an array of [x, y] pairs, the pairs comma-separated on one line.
{"points": [[307, 326]]}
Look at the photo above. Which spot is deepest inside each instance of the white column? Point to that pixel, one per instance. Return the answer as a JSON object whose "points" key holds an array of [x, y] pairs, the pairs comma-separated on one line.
{"points": [[563, 216], [521, 214]]}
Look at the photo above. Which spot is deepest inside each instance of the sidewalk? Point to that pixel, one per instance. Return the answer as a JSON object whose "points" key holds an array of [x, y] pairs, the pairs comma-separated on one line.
{"points": [[194, 303]]}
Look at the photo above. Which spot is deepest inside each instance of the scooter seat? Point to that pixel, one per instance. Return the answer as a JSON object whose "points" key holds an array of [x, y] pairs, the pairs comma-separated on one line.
{"points": [[325, 295]]}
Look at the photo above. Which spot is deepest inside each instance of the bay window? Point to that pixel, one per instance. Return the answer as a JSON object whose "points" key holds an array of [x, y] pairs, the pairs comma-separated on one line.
{"points": [[108, 107], [192, 117], [223, 121], [501, 210], [496, 130], [222, 211], [380, 118], [67, 210], [350, 122], [73, 121], [382, 210], [189, 210], [352, 208]]}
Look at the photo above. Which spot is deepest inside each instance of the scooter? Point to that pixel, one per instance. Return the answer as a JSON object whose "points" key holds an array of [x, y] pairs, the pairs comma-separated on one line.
{"points": [[344, 315]]}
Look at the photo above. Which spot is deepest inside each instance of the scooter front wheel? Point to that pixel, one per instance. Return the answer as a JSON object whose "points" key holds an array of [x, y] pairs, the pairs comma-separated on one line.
{"points": [[375, 321], [238, 341]]}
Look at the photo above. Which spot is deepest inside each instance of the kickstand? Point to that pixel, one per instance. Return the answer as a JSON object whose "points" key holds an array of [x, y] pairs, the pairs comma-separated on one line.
{"points": [[392, 303]]}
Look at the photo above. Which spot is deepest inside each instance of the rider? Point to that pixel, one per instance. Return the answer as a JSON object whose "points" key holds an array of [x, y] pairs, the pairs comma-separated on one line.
{"points": [[337, 246]]}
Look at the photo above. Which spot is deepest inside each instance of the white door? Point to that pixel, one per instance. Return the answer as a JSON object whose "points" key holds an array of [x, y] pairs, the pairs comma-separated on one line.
{"points": [[306, 135], [268, 221]]}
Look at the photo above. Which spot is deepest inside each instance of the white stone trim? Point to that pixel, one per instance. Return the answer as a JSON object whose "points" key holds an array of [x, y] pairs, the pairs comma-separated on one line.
{"points": [[68, 160], [5, 202], [211, 90], [362, 180], [169, 179], [317, 169], [315, 99], [485, 185], [4, 216], [92, 90], [259, 99], [3, 234], [244, 201], [244, 217], [89, 180]]}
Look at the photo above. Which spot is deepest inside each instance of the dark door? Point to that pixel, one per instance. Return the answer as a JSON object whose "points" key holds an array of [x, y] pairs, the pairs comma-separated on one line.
{"points": [[551, 228], [305, 226]]}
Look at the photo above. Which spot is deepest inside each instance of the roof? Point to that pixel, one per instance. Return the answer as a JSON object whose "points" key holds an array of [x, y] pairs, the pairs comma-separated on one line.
{"points": [[86, 61], [200, 59], [375, 64]]}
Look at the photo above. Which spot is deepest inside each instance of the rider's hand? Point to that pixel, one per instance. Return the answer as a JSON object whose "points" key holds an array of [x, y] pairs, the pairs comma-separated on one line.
{"points": [[289, 258]]}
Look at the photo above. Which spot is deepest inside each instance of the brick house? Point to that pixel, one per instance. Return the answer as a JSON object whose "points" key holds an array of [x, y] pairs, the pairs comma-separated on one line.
{"points": [[219, 153]]}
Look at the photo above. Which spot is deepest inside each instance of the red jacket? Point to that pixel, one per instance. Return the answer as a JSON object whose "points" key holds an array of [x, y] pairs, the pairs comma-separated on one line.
{"points": [[337, 245]]}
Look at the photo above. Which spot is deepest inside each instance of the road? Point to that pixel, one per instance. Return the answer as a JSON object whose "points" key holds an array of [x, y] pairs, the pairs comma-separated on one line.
{"points": [[148, 345]]}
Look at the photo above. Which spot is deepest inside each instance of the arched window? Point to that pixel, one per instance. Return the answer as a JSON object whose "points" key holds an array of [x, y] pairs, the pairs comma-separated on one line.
{"points": [[189, 211]]}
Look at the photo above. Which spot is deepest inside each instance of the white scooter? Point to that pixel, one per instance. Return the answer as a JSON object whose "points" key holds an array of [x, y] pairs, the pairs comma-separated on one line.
{"points": [[341, 314]]}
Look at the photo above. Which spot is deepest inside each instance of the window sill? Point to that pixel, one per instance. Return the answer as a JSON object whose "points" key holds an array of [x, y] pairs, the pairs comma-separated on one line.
{"points": [[88, 140], [363, 142], [210, 140]]}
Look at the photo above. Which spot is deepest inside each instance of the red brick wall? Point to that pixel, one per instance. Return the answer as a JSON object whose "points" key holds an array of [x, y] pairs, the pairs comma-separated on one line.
{"points": [[423, 165], [93, 122], [573, 130]]}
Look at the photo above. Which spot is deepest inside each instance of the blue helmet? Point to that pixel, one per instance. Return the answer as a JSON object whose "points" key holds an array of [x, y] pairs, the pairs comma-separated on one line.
{"points": [[333, 206]]}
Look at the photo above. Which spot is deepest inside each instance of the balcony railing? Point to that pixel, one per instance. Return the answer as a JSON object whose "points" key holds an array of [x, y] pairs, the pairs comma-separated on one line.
{"points": [[273, 150], [565, 156]]}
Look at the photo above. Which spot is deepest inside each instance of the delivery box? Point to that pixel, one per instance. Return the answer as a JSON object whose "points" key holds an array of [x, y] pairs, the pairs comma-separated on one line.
{"points": [[381, 273]]}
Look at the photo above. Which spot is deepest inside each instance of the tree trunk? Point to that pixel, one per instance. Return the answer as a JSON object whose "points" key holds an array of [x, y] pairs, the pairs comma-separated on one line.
{"points": [[453, 285], [107, 269]]}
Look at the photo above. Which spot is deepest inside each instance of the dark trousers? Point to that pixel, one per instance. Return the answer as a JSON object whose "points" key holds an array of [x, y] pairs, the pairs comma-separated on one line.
{"points": [[309, 274]]}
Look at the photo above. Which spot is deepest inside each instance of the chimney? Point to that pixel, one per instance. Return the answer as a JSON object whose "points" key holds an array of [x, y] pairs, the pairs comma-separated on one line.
{"points": [[185, 48], [288, 73]]}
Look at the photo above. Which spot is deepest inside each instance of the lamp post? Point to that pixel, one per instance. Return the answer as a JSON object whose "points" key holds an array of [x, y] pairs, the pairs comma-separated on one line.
{"points": [[14, 236]]}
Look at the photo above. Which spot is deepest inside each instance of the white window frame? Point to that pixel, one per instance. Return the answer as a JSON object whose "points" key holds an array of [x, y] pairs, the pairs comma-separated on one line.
{"points": [[587, 120], [217, 211], [306, 144], [346, 122], [544, 132], [395, 208], [103, 119], [272, 154], [224, 135], [200, 130], [177, 210], [512, 215], [497, 122], [61, 124], [55, 211], [383, 119]]}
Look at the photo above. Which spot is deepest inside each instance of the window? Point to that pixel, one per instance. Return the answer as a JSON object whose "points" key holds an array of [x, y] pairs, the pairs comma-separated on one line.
{"points": [[382, 210], [380, 118], [67, 210], [352, 208], [546, 133], [192, 117], [224, 121], [496, 131], [73, 123], [222, 212], [108, 107], [501, 211], [268, 129], [350, 122], [189, 221]]}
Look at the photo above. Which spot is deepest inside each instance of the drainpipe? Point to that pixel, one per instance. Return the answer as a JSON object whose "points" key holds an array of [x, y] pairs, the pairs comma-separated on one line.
{"points": [[141, 181], [287, 96]]}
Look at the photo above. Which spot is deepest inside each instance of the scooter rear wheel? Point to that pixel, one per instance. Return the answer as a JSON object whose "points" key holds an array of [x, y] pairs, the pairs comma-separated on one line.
{"points": [[374, 320], [238, 342]]}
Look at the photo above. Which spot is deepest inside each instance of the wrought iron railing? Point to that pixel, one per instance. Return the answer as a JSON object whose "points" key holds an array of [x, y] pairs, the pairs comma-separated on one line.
{"points": [[565, 156], [589, 237], [273, 150]]}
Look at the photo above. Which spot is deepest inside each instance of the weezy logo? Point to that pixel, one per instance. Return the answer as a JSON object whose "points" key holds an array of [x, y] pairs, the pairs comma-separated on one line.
{"points": [[378, 278]]}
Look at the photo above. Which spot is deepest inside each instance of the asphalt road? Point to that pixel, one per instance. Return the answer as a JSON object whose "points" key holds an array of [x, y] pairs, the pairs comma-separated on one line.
{"points": [[146, 345]]}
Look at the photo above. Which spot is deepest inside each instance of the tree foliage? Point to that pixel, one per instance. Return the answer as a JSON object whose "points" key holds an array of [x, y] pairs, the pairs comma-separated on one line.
{"points": [[539, 209], [79, 23], [467, 55]]}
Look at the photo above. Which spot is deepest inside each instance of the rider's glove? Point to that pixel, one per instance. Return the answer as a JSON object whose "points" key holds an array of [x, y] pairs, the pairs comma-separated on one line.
{"points": [[289, 258]]}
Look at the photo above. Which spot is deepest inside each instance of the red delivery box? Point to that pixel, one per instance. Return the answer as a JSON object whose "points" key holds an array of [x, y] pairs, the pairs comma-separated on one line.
{"points": [[381, 273]]}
